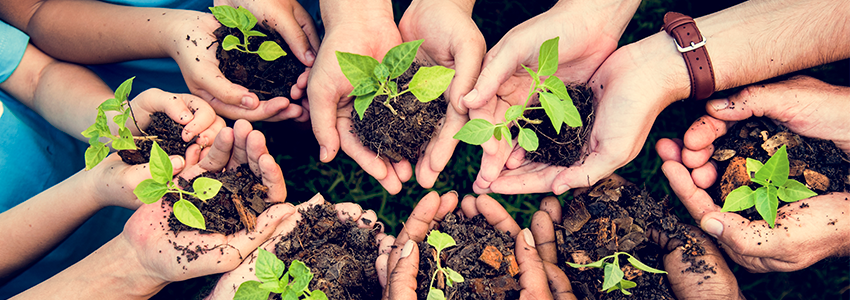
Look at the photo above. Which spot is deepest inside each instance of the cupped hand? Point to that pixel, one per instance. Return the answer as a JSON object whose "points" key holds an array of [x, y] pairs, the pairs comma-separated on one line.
{"points": [[805, 232], [196, 116], [452, 40], [114, 180], [364, 31], [230, 281], [193, 46]]}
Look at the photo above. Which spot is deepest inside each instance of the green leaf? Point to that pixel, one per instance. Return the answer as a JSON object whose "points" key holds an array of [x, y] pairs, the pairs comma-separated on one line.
{"points": [[358, 69], [250, 290], [188, 214], [739, 199], [548, 59], [121, 120], [246, 19], [527, 139], [269, 268], [273, 286], [597, 264], [230, 42], [100, 126], [533, 75], [399, 58], [226, 15], [475, 132], [430, 82], [317, 295], [111, 104], [794, 190], [124, 140], [753, 166], [123, 90], [557, 87], [251, 33], [776, 169], [301, 275], [613, 275], [514, 112], [452, 275], [767, 203], [361, 103], [554, 109], [270, 51], [364, 89], [571, 115], [160, 164], [627, 284], [637, 264], [382, 72], [149, 191], [289, 294], [393, 87], [206, 188], [440, 240], [435, 294], [95, 154]]}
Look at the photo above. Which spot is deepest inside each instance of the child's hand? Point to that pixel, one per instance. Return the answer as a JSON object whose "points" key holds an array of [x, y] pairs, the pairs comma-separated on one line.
{"points": [[196, 115], [114, 181]]}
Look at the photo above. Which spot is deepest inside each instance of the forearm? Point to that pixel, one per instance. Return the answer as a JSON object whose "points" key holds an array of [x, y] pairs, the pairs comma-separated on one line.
{"points": [[614, 15], [33, 228], [111, 272]]}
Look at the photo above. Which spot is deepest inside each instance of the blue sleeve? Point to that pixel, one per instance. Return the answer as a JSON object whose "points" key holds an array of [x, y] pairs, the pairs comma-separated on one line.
{"points": [[13, 44]]}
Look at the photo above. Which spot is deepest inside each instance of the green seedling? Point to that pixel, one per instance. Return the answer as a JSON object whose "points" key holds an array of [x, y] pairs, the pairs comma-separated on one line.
{"points": [[269, 270], [773, 178], [371, 78], [151, 190], [243, 20], [441, 241], [614, 275], [98, 150], [554, 100]]}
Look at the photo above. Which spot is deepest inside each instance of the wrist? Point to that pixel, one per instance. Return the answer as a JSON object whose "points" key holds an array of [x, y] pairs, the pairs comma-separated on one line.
{"points": [[613, 15], [120, 271], [340, 13], [659, 52], [463, 5]]}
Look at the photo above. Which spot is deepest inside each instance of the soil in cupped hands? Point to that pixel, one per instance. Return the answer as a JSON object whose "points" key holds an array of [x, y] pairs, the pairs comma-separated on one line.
{"points": [[340, 255], [402, 135], [483, 255], [166, 132], [267, 79]]}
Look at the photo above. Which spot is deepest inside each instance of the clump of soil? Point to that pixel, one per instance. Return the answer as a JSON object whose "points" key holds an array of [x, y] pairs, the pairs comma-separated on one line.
{"points": [[568, 147], [403, 135], [817, 163], [613, 217], [267, 79], [340, 255], [483, 255], [235, 207], [168, 135]]}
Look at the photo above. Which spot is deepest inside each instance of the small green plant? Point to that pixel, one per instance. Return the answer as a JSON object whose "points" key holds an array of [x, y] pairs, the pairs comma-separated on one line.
{"points": [[441, 241], [151, 190], [614, 275], [269, 270], [243, 20], [371, 78], [773, 178], [98, 150], [554, 100]]}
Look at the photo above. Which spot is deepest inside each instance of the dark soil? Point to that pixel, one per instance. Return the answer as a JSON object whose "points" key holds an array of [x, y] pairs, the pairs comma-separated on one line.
{"points": [[481, 279], [267, 79], [340, 255], [808, 157], [609, 218], [401, 136], [168, 135], [568, 147], [241, 191]]}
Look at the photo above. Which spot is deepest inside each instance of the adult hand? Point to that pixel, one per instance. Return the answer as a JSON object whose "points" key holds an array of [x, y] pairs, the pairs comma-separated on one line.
{"points": [[365, 29], [230, 281], [805, 230], [402, 270], [191, 43], [452, 40], [581, 52]]}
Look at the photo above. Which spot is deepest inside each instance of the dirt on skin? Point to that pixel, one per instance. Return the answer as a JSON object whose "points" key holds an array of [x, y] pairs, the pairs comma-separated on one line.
{"points": [[817, 163], [565, 148], [267, 79], [612, 217], [168, 135], [403, 135], [240, 200], [483, 255], [339, 254]]}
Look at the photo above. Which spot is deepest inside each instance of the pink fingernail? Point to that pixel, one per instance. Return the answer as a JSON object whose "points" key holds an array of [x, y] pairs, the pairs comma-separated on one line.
{"points": [[408, 248], [713, 227], [529, 238], [719, 104]]}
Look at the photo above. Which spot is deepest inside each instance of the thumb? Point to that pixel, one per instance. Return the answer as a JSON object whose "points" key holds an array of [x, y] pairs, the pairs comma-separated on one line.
{"points": [[495, 72], [738, 234], [467, 66], [323, 113], [402, 280], [532, 276], [177, 164]]}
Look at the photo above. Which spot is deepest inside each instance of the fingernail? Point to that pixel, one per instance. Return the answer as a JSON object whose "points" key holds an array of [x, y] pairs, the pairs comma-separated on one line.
{"points": [[529, 238], [317, 199], [719, 104], [310, 56], [247, 102], [177, 162], [561, 189], [471, 96], [453, 192], [323, 153], [713, 227], [408, 247]]}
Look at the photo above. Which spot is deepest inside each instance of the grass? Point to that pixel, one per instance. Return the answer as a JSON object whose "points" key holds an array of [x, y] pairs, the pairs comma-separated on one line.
{"points": [[342, 180]]}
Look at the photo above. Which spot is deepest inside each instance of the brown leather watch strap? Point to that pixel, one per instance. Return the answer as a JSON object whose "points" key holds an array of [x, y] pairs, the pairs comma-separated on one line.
{"points": [[691, 44]]}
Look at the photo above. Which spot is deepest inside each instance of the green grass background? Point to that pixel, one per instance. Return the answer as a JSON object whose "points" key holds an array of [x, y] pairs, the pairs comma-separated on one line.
{"points": [[342, 180]]}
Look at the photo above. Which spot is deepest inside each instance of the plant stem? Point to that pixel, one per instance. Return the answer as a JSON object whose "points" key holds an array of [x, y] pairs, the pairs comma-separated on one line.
{"points": [[387, 104], [133, 116]]}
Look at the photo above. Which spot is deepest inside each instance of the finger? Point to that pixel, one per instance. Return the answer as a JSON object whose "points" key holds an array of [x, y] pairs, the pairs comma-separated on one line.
{"points": [[294, 35], [448, 203], [391, 182], [206, 79], [367, 219], [202, 119], [468, 206], [403, 170], [703, 132], [193, 155], [742, 236], [467, 58], [440, 149], [385, 245], [696, 200], [402, 279], [720, 284], [306, 21], [544, 234], [381, 267], [530, 178], [669, 149], [216, 157], [324, 99], [417, 225], [348, 211], [516, 158], [208, 136], [299, 89], [272, 177], [239, 154], [498, 66], [696, 158], [532, 277], [267, 222], [552, 206], [559, 283], [705, 175], [496, 215], [597, 165], [267, 110], [255, 145]]}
